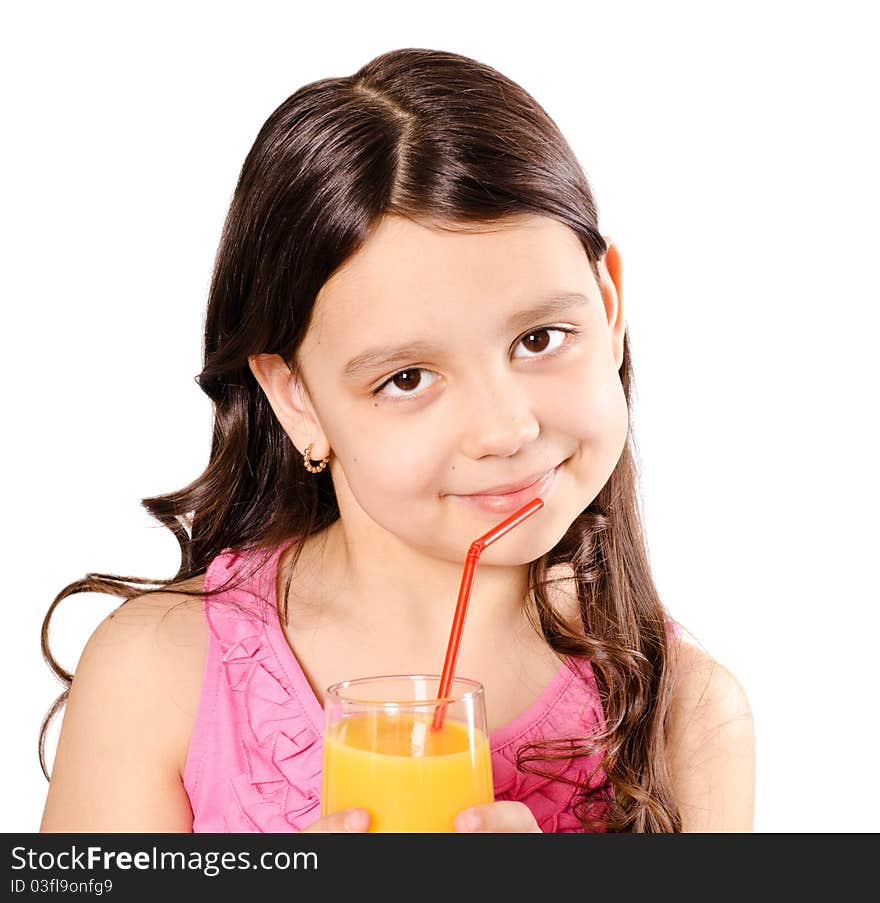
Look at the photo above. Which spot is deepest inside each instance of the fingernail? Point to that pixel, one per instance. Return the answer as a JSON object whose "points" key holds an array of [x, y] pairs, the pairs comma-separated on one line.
{"points": [[468, 821], [357, 820]]}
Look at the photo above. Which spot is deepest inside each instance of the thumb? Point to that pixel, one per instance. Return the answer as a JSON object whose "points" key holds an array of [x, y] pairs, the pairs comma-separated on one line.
{"points": [[345, 821]]}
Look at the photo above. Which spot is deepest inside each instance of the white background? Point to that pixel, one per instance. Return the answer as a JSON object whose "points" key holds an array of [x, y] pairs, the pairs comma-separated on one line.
{"points": [[733, 152]]}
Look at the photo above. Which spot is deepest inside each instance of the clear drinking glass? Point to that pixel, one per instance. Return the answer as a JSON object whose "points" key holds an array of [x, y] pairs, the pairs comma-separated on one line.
{"points": [[382, 752]]}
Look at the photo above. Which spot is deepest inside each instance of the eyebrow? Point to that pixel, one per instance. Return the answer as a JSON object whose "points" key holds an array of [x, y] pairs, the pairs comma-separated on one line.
{"points": [[374, 358]]}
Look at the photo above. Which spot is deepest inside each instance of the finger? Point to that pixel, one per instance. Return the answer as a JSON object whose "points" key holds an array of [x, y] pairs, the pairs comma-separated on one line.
{"points": [[346, 821], [501, 817]]}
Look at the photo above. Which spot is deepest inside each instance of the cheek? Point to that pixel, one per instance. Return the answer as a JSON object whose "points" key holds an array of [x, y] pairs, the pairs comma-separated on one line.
{"points": [[592, 409], [609, 409], [388, 466], [392, 457]]}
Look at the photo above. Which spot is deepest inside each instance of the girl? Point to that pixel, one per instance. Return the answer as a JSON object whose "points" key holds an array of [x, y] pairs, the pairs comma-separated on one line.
{"points": [[412, 314]]}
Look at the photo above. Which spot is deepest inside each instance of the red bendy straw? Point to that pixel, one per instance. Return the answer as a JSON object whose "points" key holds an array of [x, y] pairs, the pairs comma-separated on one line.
{"points": [[464, 594]]}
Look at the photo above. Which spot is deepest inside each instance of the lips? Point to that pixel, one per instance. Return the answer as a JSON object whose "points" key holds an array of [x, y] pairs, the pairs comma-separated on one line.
{"points": [[512, 487], [504, 503]]}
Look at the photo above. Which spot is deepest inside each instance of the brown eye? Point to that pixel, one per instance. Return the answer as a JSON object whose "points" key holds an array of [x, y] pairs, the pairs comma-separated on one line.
{"points": [[537, 341], [407, 379], [537, 345], [404, 381]]}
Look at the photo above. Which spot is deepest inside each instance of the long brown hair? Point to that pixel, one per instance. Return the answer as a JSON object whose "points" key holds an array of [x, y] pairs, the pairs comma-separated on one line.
{"points": [[437, 137]]}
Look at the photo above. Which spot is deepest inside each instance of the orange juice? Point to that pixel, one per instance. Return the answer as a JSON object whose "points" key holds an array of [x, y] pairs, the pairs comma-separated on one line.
{"points": [[409, 776]]}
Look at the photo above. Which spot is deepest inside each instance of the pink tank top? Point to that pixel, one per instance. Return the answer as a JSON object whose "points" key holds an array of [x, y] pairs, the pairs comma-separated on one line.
{"points": [[255, 755]]}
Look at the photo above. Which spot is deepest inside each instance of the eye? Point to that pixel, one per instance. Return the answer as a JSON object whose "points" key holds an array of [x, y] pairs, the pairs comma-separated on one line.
{"points": [[544, 330], [404, 379], [409, 379]]}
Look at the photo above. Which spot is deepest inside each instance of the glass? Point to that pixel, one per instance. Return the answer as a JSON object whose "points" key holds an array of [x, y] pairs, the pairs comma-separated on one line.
{"points": [[382, 754]]}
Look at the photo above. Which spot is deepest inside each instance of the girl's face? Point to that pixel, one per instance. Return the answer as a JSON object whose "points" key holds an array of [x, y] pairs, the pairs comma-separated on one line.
{"points": [[487, 393]]}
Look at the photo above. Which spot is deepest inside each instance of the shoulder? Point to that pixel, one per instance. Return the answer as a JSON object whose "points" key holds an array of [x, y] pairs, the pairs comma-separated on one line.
{"points": [[128, 717], [156, 644], [154, 622], [704, 686], [710, 743]]}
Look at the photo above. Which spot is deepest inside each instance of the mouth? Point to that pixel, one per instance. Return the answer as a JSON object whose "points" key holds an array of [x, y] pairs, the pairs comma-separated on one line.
{"points": [[507, 502]]}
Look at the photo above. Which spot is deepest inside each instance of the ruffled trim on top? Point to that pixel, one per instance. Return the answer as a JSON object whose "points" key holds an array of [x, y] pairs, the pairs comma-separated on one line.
{"points": [[280, 790]]}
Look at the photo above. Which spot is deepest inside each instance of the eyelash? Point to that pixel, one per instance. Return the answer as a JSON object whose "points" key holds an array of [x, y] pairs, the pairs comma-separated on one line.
{"points": [[567, 330]]}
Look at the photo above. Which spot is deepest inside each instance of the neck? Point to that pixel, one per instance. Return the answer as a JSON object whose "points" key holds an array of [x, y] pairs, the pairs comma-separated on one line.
{"points": [[382, 581]]}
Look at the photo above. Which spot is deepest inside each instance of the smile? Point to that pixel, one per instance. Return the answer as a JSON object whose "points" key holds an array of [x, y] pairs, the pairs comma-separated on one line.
{"points": [[511, 501]]}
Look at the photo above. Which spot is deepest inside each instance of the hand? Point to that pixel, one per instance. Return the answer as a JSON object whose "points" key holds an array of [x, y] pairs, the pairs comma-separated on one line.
{"points": [[501, 817], [345, 821]]}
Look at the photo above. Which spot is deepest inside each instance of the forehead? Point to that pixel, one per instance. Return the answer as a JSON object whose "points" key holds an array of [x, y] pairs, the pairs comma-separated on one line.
{"points": [[407, 268]]}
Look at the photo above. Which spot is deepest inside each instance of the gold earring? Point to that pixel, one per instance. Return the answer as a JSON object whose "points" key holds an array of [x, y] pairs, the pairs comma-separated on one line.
{"points": [[308, 461]]}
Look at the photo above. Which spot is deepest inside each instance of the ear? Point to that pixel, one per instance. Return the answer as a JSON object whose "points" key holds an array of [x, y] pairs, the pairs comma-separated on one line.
{"points": [[291, 403], [611, 286]]}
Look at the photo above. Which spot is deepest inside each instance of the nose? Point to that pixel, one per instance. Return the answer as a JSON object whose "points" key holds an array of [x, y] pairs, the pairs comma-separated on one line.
{"points": [[498, 417]]}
